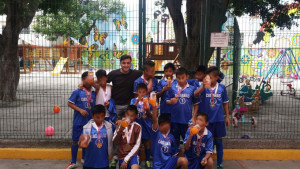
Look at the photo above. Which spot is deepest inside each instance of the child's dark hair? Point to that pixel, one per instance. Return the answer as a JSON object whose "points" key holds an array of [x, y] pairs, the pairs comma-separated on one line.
{"points": [[169, 65], [123, 57], [141, 86], [181, 71], [203, 114], [101, 73], [201, 68], [214, 70], [164, 118], [148, 64], [84, 75], [98, 109], [132, 108]]}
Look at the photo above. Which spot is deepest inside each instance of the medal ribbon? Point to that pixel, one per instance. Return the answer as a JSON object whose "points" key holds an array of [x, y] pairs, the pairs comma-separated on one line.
{"points": [[88, 96], [142, 105], [181, 89], [199, 141], [128, 133], [212, 100]]}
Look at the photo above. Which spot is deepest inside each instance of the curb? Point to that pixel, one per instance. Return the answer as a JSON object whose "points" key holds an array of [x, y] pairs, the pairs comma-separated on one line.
{"points": [[229, 154]]}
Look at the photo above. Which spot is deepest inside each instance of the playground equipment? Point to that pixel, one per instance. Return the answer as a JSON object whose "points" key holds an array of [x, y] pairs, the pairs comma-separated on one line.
{"points": [[42, 58], [289, 91], [285, 62], [241, 108], [59, 66]]}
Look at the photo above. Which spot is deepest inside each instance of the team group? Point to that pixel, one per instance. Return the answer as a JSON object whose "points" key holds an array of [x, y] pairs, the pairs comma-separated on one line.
{"points": [[116, 120]]}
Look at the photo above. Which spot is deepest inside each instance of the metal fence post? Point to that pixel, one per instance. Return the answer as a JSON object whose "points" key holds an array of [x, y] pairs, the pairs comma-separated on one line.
{"points": [[236, 58]]}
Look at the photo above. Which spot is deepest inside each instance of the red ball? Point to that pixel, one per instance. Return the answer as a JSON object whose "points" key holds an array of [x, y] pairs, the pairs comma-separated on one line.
{"points": [[56, 109]]}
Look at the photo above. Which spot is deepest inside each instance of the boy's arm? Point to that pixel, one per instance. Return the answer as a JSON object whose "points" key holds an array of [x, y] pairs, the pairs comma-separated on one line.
{"points": [[154, 118], [135, 148], [96, 86], [162, 90], [226, 109], [118, 135], [187, 144], [199, 91], [196, 107], [81, 111]]}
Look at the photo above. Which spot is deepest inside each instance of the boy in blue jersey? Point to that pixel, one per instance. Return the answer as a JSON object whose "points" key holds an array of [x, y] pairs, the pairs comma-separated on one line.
{"points": [[147, 77], [144, 119], [164, 145], [198, 82], [215, 100], [100, 144], [199, 146], [181, 97], [81, 101], [165, 85]]}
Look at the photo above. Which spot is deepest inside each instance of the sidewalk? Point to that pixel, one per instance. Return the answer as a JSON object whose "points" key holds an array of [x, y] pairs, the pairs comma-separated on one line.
{"points": [[60, 164]]}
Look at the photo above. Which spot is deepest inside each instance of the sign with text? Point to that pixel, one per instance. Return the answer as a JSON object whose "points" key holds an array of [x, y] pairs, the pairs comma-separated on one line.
{"points": [[219, 39]]}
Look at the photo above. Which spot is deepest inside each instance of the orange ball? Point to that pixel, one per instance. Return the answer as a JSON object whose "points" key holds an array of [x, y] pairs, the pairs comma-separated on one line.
{"points": [[56, 109]]}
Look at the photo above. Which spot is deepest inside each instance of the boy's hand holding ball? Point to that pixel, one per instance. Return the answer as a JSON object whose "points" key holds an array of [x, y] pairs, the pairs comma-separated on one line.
{"points": [[106, 104]]}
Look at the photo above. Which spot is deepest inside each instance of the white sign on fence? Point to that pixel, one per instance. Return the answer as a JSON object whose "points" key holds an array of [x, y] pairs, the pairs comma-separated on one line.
{"points": [[219, 39]]}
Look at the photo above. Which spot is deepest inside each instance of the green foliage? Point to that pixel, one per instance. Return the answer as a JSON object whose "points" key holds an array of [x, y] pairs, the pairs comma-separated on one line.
{"points": [[76, 18]]}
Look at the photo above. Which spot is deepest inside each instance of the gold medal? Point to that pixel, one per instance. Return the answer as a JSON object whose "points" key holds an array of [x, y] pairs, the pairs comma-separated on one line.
{"points": [[144, 116], [99, 144], [212, 105], [198, 153], [89, 107]]}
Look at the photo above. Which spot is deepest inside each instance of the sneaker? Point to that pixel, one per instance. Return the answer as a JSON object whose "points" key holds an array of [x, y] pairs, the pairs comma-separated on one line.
{"points": [[148, 165], [220, 166], [82, 161], [112, 164], [71, 165]]}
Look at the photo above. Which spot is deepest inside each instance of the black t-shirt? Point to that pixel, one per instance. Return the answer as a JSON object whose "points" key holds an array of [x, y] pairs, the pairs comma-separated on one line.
{"points": [[122, 89]]}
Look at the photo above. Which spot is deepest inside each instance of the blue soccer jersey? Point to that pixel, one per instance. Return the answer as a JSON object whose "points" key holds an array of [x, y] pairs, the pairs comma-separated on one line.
{"points": [[142, 80], [197, 85], [203, 145], [181, 111], [146, 123], [80, 99], [214, 107], [164, 147], [164, 108], [97, 156]]}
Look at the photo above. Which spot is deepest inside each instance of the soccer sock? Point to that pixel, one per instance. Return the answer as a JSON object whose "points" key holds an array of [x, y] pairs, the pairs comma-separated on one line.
{"points": [[74, 150], [83, 153], [148, 154], [219, 145]]}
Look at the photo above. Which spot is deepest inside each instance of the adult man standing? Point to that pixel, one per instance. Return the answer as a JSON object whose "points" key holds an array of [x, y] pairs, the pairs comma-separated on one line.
{"points": [[123, 80]]}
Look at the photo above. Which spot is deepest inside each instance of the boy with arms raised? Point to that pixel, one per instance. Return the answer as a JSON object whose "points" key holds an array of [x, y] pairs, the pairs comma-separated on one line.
{"points": [[164, 144]]}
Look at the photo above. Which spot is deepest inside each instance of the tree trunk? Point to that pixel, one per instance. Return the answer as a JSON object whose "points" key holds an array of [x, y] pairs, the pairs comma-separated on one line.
{"points": [[19, 15], [190, 50]]}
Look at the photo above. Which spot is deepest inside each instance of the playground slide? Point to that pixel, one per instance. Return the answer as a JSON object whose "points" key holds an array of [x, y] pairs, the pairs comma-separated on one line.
{"points": [[59, 66]]}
